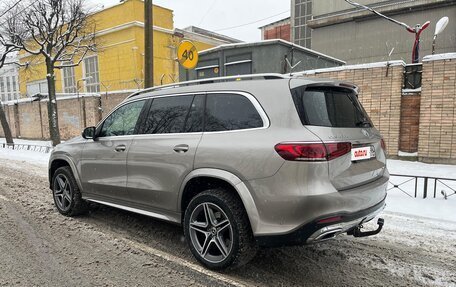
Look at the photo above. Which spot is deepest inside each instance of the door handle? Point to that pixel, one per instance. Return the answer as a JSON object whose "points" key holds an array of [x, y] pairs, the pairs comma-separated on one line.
{"points": [[120, 148], [181, 148]]}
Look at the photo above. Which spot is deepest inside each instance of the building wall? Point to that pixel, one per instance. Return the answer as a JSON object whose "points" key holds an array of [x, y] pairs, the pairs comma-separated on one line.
{"points": [[278, 32], [438, 111], [120, 40], [410, 122], [265, 58], [356, 36], [372, 40], [9, 83], [301, 13]]}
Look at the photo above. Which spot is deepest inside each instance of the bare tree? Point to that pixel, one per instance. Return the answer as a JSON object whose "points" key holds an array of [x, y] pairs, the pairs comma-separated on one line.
{"points": [[60, 32], [7, 47]]}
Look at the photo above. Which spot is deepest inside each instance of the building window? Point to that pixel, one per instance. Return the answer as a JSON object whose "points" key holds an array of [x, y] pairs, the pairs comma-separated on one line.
{"points": [[37, 87], [8, 88], [2, 89], [92, 81], [69, 82]]}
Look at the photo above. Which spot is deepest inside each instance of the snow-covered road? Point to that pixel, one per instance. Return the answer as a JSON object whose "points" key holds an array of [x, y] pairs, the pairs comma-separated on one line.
{"points": [[108, 246]]}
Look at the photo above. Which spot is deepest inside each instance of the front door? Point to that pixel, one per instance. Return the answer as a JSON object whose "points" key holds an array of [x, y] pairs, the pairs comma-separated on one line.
{"points": [[103, 164]]}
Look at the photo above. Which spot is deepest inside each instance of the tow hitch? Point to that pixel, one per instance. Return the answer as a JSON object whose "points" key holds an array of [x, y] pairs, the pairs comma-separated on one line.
{"points": [[356, 232]]}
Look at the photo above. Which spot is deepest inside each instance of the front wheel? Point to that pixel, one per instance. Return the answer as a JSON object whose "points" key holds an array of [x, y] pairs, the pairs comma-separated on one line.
{"points": [[66, 193], [218, 231]]}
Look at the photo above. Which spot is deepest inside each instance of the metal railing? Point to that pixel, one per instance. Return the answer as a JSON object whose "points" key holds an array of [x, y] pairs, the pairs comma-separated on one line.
{"points": [[424, 184], [29, 147]]}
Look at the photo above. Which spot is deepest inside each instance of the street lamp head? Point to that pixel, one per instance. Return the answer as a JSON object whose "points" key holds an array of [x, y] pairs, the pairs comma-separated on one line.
{"points": [[440, 26]]}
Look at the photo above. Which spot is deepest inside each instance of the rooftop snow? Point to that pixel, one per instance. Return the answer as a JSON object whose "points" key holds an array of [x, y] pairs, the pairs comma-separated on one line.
{"points": [[353, 67], [437, 57]]}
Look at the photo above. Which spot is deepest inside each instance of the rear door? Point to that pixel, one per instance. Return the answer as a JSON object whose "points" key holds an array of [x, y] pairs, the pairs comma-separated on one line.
{"points": [[334, 114], [163, 153]]}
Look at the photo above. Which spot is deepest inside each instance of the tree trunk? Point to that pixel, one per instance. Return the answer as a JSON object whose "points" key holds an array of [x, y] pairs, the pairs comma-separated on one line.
{"points": [[5, 125], [52, 105]]}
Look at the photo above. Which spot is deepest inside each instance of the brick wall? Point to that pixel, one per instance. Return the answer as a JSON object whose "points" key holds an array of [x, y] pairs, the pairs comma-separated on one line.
{"points": [[437, 137], [380, 89], [410, 121], [278, 32]]}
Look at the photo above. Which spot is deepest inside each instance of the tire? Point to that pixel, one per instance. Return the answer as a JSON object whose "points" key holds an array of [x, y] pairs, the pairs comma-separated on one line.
{"points": [[65, 191], [225, 240]]}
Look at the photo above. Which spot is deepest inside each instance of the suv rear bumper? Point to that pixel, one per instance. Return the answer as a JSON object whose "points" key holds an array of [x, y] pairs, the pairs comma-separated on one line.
{"points": [[316, 232]]}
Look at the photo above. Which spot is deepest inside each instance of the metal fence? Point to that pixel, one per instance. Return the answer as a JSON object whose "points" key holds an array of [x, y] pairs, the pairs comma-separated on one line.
{"points": [[426, 184], [37, 148]]}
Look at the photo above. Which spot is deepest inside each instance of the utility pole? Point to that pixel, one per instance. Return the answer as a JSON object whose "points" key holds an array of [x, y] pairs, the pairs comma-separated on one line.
{"points": [[149, 44]]}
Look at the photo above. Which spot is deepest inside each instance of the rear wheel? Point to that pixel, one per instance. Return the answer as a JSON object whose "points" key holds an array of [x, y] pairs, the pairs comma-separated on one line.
{"points": [[66, 193], [218, 231]]}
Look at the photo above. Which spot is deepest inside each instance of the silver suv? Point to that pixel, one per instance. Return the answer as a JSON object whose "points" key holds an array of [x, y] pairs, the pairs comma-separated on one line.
{"points": [[265, 160]]}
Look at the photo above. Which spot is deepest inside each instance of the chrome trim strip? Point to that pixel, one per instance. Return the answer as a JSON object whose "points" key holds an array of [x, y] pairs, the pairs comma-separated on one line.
{"points": [[135, 210]]}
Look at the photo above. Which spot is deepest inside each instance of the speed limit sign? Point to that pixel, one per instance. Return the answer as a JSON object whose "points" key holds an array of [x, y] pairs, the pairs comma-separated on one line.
{"points": [[187, 55]]}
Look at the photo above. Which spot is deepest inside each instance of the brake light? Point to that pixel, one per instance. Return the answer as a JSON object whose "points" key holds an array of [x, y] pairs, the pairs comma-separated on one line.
{"points": [[312, 151]]}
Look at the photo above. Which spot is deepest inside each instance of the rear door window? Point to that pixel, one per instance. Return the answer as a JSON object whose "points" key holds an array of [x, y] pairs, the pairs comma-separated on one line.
{"points": [[168, 115], [330, 107], [226, 112]]}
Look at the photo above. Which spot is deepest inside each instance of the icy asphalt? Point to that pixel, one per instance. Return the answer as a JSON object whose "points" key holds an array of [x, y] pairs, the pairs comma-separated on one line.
{"points": [[109, 247]]}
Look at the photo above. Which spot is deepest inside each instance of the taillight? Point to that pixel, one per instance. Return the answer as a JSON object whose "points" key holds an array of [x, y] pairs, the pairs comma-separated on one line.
{"points": [[312, 151]]}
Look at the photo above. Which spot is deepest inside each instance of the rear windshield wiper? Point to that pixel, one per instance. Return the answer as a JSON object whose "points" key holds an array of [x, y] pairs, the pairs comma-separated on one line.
{"points": [[364, 123]]}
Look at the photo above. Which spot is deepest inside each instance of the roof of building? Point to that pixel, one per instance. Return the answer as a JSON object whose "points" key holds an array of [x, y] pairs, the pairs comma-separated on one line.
{"points": [[211, 34], [276, 22], [270, 42]]}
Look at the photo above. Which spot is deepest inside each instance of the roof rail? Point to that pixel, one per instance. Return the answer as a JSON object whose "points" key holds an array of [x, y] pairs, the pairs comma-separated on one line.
{"points": [[268, 76]]}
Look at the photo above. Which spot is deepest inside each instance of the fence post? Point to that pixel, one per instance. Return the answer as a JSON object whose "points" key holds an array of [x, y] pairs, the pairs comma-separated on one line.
{"points": [[425, 187]]}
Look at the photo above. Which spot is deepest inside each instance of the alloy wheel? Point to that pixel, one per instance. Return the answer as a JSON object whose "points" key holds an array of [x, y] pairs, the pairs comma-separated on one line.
{"points": [[211, 232], [62, 192]]}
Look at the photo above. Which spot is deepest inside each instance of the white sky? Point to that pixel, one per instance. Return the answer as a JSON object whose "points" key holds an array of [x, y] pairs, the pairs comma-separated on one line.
{"points": [[218, 14]]}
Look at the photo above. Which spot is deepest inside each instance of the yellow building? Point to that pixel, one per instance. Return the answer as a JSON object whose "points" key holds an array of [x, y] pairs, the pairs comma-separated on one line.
{"points": [[119, 61]]}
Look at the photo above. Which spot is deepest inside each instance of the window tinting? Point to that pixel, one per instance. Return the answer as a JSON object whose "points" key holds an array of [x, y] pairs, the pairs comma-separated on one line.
{"points": [[226, 112], [122, 121], [330, 108], [195, 117], [167, 115]]}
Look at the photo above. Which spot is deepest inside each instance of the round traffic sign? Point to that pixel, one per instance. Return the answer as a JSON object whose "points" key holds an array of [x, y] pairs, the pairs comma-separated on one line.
{"points": [[187, 55]]}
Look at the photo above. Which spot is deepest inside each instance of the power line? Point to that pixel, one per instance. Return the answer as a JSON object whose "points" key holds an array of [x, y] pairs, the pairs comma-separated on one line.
{"points": [[10, 8], [250, 23]]}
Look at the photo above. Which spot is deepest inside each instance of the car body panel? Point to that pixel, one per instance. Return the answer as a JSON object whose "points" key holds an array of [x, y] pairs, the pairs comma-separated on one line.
{"points": [[279, 196]]}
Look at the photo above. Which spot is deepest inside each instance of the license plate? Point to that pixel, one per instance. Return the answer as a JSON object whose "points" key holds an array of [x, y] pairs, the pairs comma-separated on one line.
{"points": [[361, 153]]}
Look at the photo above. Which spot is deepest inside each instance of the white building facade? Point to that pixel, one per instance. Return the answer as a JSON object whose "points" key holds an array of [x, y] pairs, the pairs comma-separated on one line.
{"points": [[9, 82]]}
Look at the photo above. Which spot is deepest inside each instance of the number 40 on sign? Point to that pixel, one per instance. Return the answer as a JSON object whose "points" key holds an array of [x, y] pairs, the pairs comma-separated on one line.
{"points": [[187, 55]]}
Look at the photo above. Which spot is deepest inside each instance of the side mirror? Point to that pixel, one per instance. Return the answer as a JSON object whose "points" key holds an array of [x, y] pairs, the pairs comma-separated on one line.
{"points": [[89, 133]]}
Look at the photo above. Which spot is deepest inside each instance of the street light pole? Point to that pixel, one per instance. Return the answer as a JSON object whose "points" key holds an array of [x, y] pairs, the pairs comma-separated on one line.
{"points": [[149, 47]]}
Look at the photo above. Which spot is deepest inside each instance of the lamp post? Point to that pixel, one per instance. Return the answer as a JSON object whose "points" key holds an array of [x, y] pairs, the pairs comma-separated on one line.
{"points": [[81, 80], [83, 108], [439, 27], [417, 30]]}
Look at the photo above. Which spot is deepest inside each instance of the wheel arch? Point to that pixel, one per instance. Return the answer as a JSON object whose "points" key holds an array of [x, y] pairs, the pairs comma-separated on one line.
{"points": [[60, 161], [206, 177]]}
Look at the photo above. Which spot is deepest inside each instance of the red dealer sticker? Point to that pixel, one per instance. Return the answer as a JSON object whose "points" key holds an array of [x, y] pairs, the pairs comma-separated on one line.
{"points": [[360, 153]]}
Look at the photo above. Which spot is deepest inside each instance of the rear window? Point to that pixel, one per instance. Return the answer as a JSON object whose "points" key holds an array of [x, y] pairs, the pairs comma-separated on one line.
{"points": [[329, 107]]}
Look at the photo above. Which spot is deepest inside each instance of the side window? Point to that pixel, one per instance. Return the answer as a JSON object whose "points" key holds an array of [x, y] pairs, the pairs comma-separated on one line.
{"points": [[122, 121], [167, 115], [225, 112], [194, 121]]}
